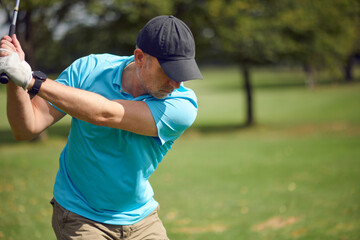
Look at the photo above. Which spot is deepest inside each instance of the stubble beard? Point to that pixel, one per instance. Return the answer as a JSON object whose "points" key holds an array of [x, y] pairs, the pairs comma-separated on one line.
{"points": [[155, 94]]}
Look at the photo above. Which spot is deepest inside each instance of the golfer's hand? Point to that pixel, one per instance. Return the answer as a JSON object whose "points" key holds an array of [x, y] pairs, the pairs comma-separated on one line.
{"points": [[12, 44], [18, 70]]}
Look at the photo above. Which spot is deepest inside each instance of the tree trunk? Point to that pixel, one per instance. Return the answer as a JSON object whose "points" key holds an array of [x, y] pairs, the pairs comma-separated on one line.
{"points": [[249, 97], [310, 76], [348, 69]]}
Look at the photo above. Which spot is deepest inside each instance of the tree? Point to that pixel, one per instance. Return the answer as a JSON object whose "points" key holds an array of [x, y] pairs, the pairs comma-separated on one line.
{"points": [[245, 33], [36, 24], [354, 14], [113, 27], [54, 33], [315, 34], [319, 34]]}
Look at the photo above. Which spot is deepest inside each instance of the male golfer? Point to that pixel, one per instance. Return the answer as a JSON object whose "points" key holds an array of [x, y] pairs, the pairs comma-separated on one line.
{"points": [[126, 114]]}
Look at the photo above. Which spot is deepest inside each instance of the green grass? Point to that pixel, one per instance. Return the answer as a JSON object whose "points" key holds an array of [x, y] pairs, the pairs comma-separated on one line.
{"points": [[294, 175], [232, 184]]}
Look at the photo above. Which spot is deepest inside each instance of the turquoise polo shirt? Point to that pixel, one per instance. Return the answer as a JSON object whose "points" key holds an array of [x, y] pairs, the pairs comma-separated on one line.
{"points": [[104, 172]]}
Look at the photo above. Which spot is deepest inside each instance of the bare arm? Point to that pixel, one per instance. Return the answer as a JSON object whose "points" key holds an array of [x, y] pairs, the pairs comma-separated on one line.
{"points": [[27, 118], [133, 116]]}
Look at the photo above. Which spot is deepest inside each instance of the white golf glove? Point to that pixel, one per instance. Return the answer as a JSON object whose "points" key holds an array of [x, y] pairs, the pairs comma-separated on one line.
{"points": [[17, 70]]}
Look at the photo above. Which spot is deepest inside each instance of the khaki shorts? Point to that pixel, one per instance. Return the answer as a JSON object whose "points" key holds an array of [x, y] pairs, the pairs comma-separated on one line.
{"points": [[68, 225]]}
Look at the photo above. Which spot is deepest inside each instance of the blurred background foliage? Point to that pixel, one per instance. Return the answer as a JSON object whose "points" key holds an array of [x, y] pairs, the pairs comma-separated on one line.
{"points": [[314, 35]]}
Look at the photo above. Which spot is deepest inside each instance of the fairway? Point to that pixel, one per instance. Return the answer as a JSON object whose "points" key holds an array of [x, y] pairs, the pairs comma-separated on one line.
{"points": [[294, 175]]}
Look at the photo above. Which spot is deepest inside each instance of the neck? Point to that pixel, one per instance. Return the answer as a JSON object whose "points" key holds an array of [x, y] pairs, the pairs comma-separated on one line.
{"points": [[130, 82]]}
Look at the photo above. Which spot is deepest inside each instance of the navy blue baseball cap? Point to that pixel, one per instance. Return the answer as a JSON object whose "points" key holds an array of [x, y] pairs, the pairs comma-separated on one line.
{"points": [[170, 40]]}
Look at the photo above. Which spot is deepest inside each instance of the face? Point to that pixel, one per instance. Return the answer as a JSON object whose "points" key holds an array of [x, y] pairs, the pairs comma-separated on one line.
{"points": [[153, 79]]}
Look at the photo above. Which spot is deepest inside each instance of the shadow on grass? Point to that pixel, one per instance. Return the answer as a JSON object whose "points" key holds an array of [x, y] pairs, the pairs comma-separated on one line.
{"points": [[237, 87], [6, 136], [209, 129], [60, 131], [284, 85]]}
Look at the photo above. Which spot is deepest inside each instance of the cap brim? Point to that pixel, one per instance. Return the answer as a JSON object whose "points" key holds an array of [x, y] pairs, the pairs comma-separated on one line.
{"points": [[181, 70]]}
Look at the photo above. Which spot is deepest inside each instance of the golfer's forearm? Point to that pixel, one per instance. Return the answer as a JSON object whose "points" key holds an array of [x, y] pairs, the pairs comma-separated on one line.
{"points": [[133, 116], [20, 113], [84, 105]]}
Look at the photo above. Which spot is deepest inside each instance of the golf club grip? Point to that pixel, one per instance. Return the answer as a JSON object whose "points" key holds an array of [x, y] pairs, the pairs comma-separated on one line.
{"points": [[12, 30], [4, 79]]}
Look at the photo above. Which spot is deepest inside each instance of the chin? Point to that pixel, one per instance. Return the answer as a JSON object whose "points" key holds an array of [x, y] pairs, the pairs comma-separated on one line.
{"points": [[160, 94]]}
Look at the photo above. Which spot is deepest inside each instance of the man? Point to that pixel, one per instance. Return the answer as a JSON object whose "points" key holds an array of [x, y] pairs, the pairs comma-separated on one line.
{"points": [[126, 114]]}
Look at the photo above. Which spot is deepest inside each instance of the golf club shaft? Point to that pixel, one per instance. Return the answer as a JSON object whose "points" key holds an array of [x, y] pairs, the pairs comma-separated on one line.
{"points": [[4, 78]]}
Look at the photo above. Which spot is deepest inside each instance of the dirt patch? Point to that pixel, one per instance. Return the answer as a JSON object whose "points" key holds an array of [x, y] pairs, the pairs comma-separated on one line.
{"points": [[275, 223], [204, 229], [313, 129]]}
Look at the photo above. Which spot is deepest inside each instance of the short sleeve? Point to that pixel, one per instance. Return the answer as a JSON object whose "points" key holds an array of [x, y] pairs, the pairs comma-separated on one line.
{"points": [[77, 72], [74, 75], [172, 116]]}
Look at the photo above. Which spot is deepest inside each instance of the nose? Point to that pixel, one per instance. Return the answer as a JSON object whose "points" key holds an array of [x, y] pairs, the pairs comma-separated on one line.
{"points": [[174, 84]]}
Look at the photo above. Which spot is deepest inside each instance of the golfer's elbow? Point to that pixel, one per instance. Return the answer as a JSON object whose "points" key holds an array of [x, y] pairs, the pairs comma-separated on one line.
{"points": [[24, 135], [108, 116], [21, 137], [102, 120]]}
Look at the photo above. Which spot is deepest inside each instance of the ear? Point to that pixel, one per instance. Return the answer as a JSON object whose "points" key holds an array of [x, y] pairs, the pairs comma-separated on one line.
{"points": [[139, 57]]}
